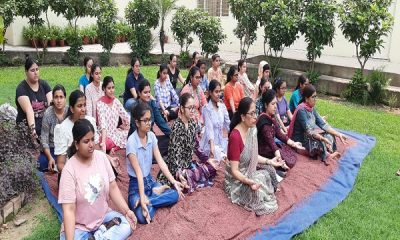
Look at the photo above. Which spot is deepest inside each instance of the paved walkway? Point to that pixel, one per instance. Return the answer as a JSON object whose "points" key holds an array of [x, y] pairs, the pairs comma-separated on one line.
{"points": [[232, 56]]}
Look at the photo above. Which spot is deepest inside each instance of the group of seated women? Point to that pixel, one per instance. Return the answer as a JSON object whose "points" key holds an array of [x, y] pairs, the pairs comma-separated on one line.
{"points": [[250, 127]]}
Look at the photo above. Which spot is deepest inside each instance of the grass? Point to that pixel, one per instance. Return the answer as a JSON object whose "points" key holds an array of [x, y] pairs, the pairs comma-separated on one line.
{"points": [[369, 212], [46, 228]]}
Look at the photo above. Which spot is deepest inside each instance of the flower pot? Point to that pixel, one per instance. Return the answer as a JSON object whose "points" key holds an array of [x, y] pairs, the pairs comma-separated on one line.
{"points": [[123, 39], [93, 40], [118, 39], [61, 42], [86, 40], [53, 43], [43, 43], [34, 43]]}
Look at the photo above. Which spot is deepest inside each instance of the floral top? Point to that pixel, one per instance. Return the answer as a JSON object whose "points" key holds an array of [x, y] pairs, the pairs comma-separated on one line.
{"points": [[199, 100], [108, 117], [181, 146], [259, 106], [93, 94]]}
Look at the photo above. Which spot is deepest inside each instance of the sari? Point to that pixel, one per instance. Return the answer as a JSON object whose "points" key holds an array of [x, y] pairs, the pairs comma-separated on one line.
{"points": [[261, 201]]}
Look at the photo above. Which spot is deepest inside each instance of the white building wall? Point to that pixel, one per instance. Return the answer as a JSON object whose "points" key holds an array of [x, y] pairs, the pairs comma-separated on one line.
{"points": [[341, 47]]}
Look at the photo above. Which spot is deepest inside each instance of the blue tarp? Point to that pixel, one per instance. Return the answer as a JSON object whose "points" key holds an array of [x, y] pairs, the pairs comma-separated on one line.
{"points": [[328, 197], [311, 209], [52, 199]]}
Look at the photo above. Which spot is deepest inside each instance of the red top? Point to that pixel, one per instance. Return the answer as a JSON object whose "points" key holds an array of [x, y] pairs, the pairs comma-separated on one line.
{"points": [[235, 145]]}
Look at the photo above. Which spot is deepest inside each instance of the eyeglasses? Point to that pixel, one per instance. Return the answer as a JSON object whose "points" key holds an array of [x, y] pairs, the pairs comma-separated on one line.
{"points": [[191, 108], [145, 121], [252, 114]]}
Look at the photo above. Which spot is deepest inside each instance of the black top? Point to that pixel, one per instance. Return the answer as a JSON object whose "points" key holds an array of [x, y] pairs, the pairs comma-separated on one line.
{"points": [[173, 78], [38, 101]]}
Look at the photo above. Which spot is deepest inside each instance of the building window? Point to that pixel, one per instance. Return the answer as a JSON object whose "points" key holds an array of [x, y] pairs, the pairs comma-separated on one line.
{"points": [[216, 8]]}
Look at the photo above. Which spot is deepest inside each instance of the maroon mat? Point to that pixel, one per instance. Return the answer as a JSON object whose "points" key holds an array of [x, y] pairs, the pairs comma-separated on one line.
{"points": [[209, 214]]}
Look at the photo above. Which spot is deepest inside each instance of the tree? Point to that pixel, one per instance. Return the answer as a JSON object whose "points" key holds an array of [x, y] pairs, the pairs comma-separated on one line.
{"points": [[165, 7], [247, 13], [182, 26], [72, 10], [281, 21], [33, 10], [7, 10], [210, 33], [318, 27], [364, 23], [142, 15]]}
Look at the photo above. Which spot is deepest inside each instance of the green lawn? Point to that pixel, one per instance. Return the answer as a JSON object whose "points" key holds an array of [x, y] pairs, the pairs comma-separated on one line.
{"points": [[370, 211]]}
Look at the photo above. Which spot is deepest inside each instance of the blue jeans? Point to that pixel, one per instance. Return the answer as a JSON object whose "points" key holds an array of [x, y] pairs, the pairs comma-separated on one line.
{"points": [[43, 162], [129, 104], [168, 198], [122, 231]]}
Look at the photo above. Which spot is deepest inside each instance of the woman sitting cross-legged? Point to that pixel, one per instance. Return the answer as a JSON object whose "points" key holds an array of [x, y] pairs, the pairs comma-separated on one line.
{"points": [[233, 91], [193, 87], [283, 114], [312, 131], [87, 183], [216, 120], [109, 111], [63, 137], [268, 129], [145, 194], [54, 115], [144, 96], [183, 142], [93, 91], [165, 94], [244, 184]]}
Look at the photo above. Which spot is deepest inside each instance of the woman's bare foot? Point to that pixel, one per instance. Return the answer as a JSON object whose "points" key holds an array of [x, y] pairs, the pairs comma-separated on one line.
{"points": [[183, 181], [161, 189], [335, 156]]}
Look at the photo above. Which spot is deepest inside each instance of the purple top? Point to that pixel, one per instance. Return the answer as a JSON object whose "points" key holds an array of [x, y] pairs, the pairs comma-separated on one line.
{"points": [[282, 106]]}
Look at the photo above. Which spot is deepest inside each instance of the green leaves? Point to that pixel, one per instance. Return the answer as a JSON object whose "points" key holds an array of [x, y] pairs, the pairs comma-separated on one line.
{"points": [[106, 25], [364, 23], [182, 26], [247, 13], [210, 33], [142, 15], [318, 26]]}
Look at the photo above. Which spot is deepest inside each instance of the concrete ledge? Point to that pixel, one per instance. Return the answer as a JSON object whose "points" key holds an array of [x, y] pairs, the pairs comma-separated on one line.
{"points": [[327, 84], [324, 69]]}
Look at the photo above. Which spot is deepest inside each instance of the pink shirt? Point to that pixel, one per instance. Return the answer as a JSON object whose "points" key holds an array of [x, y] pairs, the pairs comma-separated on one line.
{"points": [[88, 187]]}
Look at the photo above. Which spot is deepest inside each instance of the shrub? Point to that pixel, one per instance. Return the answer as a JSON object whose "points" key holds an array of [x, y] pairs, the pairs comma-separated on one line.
{"points": [[182, 27], [313, 76], [377, 81], [357, 90], [106, 23], [365, 23], [17, 161], [105, 58], [142, 15], [210, 33]]}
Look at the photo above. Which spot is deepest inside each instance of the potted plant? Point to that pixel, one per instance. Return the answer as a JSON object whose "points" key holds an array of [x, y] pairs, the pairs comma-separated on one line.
{"points": [[54, 32], [125, 32], [93, 34], [44, 36], [61, 37], [85, 32], [29, 34], [120, 28]]}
